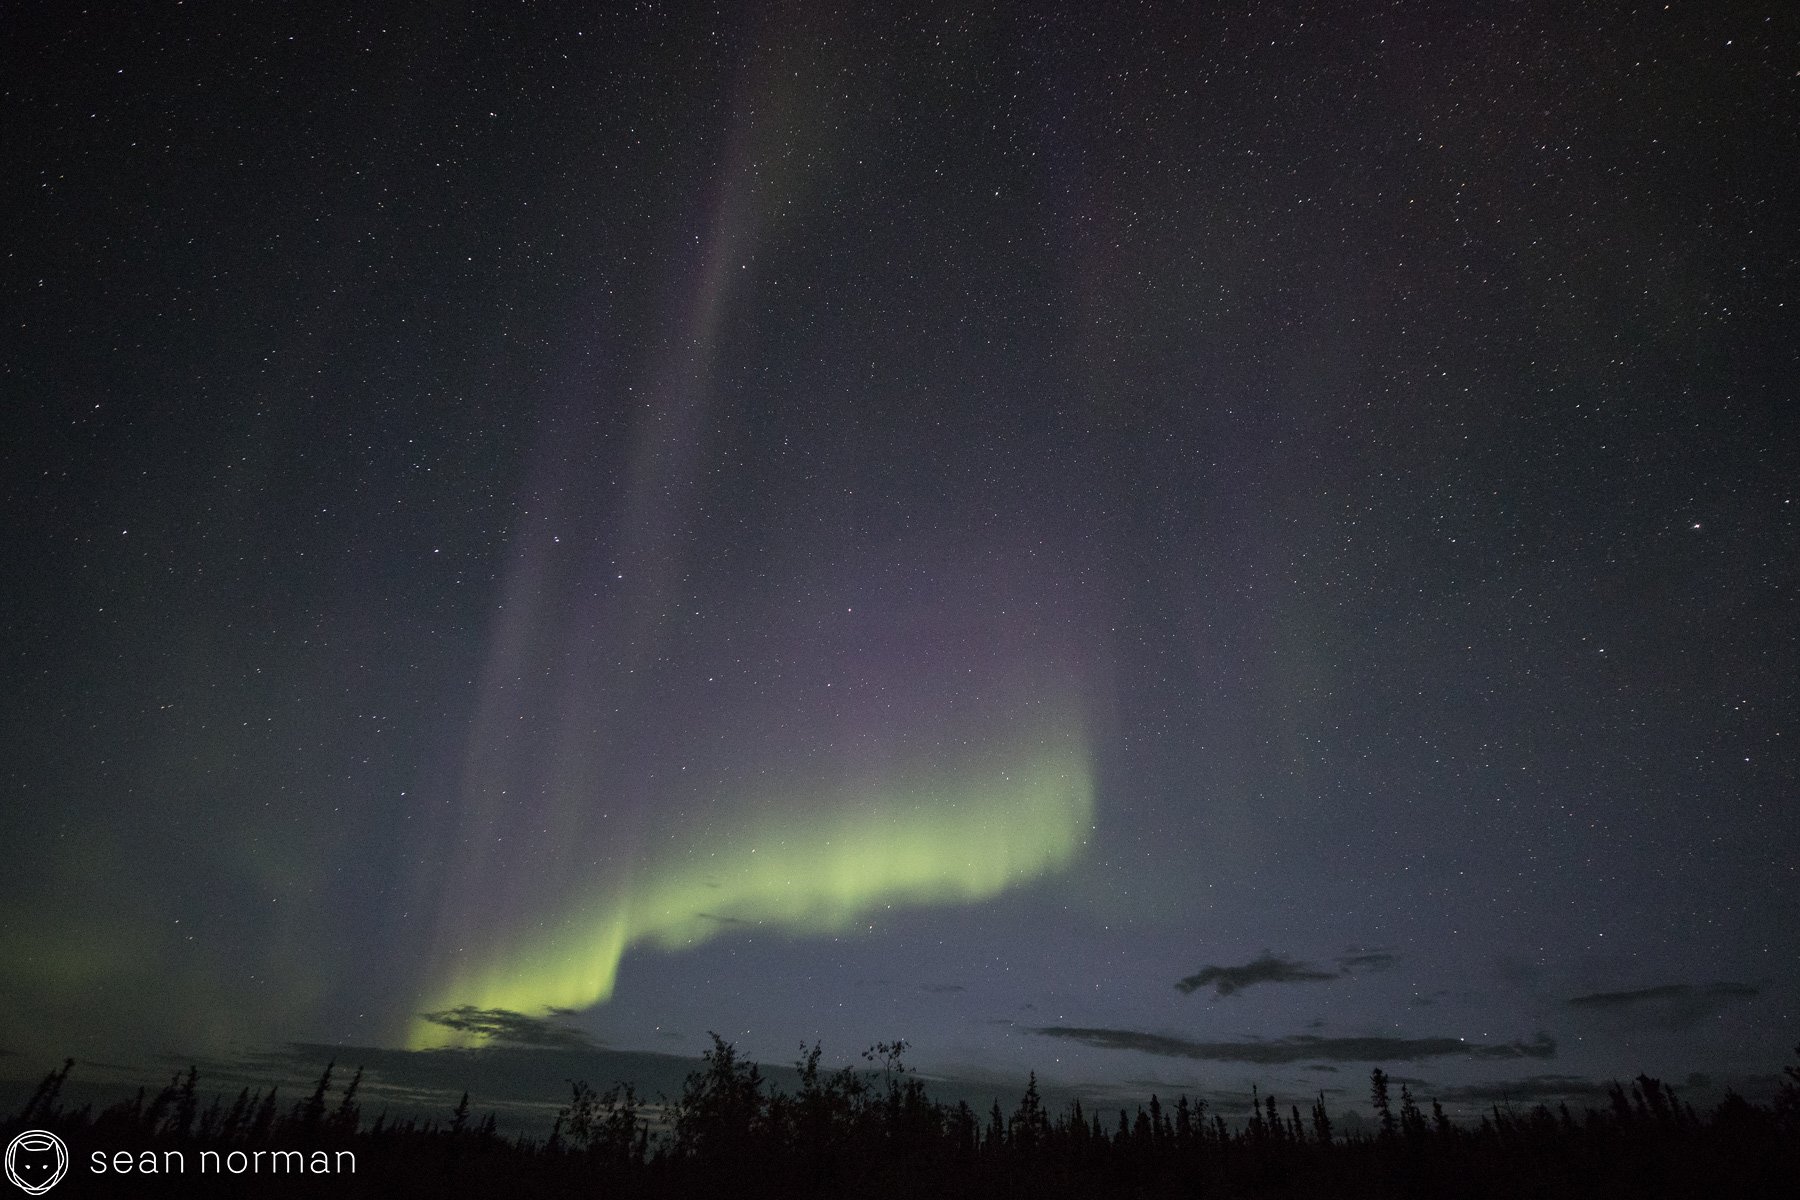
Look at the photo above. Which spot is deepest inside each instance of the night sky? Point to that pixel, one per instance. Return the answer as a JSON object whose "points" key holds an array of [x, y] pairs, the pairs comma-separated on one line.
{"points": [[1167, 545]]}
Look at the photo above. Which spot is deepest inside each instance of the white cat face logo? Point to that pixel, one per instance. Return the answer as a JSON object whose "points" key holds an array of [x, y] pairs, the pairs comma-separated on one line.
{"points": [[36, 1161]]}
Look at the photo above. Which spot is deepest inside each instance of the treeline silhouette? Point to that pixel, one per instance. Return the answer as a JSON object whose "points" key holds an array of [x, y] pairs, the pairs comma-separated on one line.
{"points": [[876, 1132]]}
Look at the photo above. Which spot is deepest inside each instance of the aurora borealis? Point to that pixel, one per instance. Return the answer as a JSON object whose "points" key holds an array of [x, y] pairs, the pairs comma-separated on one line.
{"points": [[1186, 548], [818, 871]]}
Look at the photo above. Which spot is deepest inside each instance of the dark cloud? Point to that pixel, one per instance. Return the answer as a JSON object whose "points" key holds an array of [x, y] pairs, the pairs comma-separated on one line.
{"points": [[1672, 1006], [512, 1028], [1302, 1047], [1533, 1089], [1273, 968], [1270, 968], [1166, 1087], [721, 920], [1368, 960], [1668, 991]]}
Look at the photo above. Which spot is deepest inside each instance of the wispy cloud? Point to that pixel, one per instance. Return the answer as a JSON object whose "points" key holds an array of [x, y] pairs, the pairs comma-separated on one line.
{"points": [[1302, 1047], [1667, 991], [1533, 1089], [1672, 1006], [1270, 968], [1368, 960], [511, 1028]]}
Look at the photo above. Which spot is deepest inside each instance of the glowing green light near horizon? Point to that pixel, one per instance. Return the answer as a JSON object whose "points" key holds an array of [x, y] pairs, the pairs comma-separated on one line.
{"points": [[818, 865]]}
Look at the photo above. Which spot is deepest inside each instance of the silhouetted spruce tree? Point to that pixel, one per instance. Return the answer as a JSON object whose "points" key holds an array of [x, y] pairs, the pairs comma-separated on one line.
{"points": [[210, 1119], [43, 1100], [1321, 1122], [153, 1116], [1378, 1097], [263, 1124], [1787, 1097], [236, 1116], [459, 1117], [346, 1117], [1412, 1121], [1141, 1137], [312, 1113], [1029, 1122], [187, 1104], [965, 1130], [1659, 1098]]}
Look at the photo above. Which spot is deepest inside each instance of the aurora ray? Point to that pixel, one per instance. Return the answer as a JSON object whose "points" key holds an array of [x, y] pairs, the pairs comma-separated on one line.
{"points": [[627, 789]]}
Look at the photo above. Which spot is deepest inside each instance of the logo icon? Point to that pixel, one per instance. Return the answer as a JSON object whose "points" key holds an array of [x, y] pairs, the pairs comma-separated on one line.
{"points": [[36, 1161]]}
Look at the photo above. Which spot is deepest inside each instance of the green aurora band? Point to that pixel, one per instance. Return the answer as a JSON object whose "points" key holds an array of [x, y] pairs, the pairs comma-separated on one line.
{"points": [[820, 866]]}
